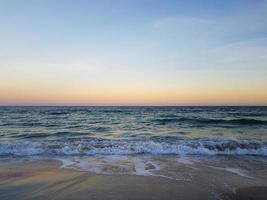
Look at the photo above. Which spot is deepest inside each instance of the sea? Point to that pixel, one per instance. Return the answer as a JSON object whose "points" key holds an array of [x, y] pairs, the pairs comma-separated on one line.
{"points": [[147, 141]]}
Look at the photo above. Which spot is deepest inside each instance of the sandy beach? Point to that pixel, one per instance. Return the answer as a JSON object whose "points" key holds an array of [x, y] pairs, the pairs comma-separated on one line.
{"points": [[44, 179], [133, 100]]}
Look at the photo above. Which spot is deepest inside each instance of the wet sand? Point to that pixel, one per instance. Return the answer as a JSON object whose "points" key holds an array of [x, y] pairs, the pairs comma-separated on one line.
{"points": [[44, 179]]}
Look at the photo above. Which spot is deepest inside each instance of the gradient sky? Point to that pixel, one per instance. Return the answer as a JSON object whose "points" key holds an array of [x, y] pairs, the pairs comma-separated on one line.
{"points": [[133, 52]]}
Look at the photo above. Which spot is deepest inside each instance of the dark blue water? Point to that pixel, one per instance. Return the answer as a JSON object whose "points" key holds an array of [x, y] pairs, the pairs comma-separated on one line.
{"points": [[133, 130]]}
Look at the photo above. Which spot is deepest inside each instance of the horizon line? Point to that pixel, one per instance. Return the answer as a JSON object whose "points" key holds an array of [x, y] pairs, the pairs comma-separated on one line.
{"points": [[146, 105]]}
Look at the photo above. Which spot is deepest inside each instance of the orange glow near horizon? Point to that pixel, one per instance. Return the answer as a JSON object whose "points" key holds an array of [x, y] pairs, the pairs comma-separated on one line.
{"points": [[96, 53], [130, 96]]}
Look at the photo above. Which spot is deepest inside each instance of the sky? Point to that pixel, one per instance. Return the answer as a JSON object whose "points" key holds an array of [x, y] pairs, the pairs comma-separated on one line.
{"points": [[133, 52]]}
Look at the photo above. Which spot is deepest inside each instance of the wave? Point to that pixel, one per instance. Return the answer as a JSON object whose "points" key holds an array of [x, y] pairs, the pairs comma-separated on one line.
{"points": [[56, 113], [82, 147], [241, 121]]}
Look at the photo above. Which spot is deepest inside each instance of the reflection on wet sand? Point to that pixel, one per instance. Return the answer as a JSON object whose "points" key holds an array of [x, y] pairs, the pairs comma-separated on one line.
{"points": [[44, 179]]}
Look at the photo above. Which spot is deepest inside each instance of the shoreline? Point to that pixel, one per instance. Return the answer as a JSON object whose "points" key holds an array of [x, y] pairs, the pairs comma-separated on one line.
{"points": [[24, 178]]}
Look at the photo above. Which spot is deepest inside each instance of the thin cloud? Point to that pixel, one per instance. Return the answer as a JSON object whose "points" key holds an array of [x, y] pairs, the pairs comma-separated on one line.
{"points": [[249, 54], [245, 22], [182, 21]]}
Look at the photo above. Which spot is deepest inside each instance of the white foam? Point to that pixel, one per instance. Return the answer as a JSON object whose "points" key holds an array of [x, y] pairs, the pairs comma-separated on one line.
{"points": [[184, 160], [66, 163], [238, 171], [142, 167], [123, 147], [126, 165], [234, 170]]}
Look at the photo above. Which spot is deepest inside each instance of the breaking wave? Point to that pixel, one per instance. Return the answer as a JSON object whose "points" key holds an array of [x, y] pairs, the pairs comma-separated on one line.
{"points": [[83, 147]]}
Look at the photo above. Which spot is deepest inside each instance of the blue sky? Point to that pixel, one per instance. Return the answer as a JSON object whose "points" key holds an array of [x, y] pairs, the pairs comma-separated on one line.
{"points": [[204, 46]]}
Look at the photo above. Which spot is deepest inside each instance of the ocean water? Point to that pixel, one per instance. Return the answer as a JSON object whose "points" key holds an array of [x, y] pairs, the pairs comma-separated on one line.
{"points": [[133, 140]]}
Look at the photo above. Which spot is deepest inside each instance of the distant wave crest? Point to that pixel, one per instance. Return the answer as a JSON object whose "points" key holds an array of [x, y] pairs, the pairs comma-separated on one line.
{"points": [[241, 121]]}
